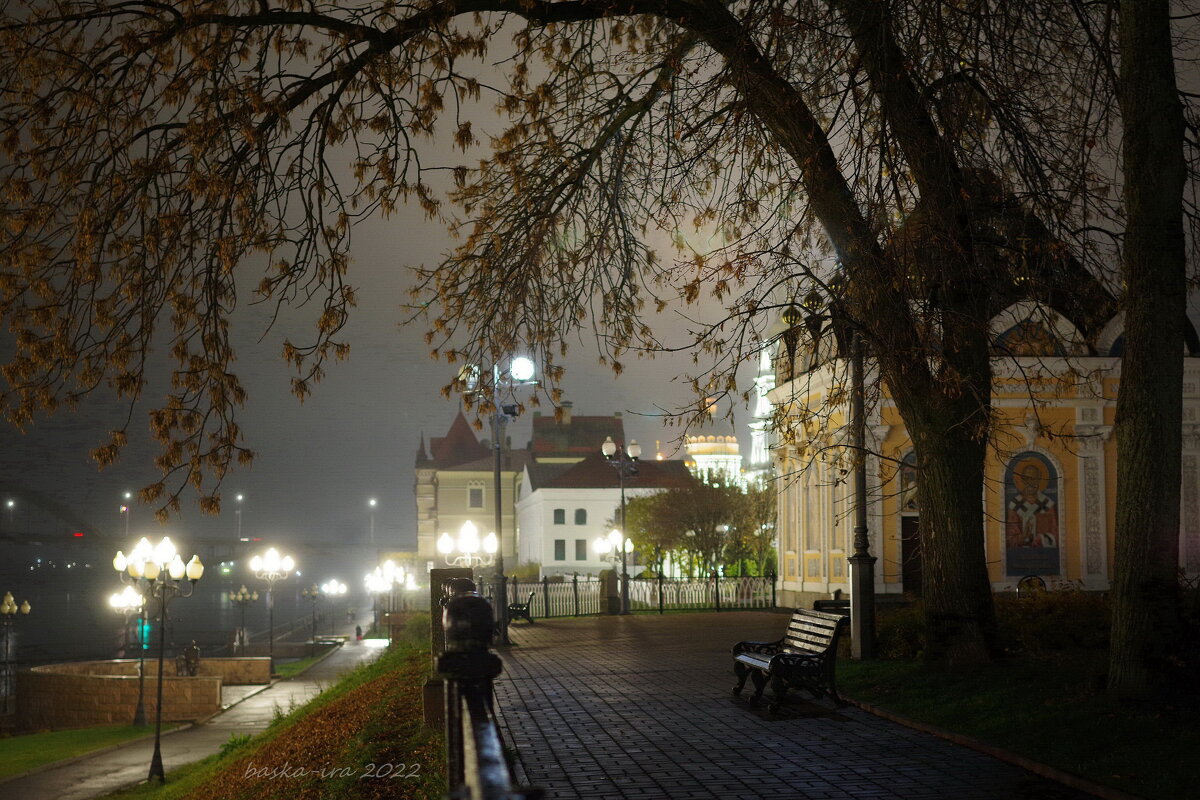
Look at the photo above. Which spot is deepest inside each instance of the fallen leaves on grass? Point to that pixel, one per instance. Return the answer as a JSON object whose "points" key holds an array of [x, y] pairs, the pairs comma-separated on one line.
{"points": [[368, 745]]}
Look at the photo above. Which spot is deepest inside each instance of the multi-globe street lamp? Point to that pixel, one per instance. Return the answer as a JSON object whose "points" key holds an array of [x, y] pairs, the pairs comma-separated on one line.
{"points": [[158, 571], [271, 567], [520, 372], [8, 612], [312, 593], [375, 587], [127, 602], [242, 598], [616, 546], [333, 589], [466, 549], [625, 461]]}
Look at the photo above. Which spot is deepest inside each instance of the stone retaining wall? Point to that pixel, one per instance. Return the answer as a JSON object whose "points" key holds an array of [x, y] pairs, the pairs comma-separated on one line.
{"points": [[49, 700], [86, 693]]}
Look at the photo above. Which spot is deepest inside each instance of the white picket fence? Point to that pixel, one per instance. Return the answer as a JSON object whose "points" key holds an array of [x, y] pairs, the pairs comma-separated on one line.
{"points": [[583, 596]]}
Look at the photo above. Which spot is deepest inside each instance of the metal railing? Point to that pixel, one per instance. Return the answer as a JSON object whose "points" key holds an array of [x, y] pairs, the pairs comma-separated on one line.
{"points": [[585, 596], [476, 765]]}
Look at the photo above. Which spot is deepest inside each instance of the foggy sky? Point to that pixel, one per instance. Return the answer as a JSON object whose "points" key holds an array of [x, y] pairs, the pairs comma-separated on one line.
{"points": [[355, 437]]}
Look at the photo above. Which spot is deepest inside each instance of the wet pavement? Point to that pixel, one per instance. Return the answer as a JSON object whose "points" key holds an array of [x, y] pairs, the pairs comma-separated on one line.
{"points": [[104, 772], [641, 707]]}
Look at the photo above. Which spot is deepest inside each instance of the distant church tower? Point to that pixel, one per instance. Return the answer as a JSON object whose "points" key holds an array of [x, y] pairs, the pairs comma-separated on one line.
{"points": [[714, 458]]}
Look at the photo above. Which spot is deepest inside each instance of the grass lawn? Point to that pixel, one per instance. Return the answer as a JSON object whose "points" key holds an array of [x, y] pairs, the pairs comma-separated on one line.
{"points": [[1049, 708], [21, 753], [361, 738], [290, 669]]}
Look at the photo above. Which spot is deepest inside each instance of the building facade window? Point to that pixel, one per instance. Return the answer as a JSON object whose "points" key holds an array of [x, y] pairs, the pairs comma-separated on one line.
{"points": [[475, 494], [560, 549], [560, 516], [581, 550], [581, 516]]}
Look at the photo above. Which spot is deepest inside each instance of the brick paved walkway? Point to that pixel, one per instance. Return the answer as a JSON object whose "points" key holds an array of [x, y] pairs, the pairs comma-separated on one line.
{"points": [[640, 707]]}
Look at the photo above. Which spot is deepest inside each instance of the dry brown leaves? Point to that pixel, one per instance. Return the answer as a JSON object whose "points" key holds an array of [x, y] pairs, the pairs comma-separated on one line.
{"points": [[367, 745]]}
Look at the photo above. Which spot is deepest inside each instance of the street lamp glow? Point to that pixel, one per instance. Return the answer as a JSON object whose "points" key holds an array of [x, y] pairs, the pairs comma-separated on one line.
{"points": [[521, 368], [156, 571]]}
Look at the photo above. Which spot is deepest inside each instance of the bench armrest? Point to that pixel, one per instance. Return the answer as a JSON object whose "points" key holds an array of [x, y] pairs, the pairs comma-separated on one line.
{"points": [[763, 648]]}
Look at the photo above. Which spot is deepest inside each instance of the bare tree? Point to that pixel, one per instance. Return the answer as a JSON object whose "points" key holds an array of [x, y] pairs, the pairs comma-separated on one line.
{"points": [[153, 148]]}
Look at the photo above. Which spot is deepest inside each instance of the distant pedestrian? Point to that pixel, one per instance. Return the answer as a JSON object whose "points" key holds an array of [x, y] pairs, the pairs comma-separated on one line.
{"points": [[358, 632]]}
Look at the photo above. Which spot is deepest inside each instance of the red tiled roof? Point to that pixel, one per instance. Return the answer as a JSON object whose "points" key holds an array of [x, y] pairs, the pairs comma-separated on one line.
{"points": [[510, 461], [595, 472], [580, 437], [458, 446]]}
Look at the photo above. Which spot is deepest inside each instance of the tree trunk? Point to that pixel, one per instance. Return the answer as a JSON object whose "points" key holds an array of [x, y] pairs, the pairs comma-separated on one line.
{"points": [[1149, 405]]}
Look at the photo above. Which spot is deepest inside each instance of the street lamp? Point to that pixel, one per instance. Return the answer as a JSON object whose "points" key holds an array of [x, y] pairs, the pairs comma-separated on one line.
{"points": [[520, 372], [242, 598], [8, 612], [371, 503], [157, 571], [625, 461], [466, 550], [237, 513], [862, 563], [127, 602], [271, 567], [375, 586], [126, 510], [333, 588], [615, 546], [312, 593]]}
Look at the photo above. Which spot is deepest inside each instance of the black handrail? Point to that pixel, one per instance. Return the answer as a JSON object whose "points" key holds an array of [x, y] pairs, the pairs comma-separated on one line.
{"points": [[476, 766]]}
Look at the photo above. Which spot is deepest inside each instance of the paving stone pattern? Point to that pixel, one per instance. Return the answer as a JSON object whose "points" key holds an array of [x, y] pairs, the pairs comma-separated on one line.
{"points": [[640, 707]]}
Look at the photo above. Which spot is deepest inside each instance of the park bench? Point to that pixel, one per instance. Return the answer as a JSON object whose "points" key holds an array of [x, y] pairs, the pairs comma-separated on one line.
{"points": [[803, 659], [521, 610]]}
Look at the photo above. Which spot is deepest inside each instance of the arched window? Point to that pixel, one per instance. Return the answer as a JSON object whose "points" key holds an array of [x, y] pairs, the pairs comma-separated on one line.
{"points": [[581, 516]]}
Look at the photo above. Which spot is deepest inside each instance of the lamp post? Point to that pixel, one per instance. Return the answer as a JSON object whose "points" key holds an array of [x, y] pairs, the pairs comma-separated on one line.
{"points": [[237, 514], [466, 549], [126, 510], [158, 572], [242, 598], [271, 567], [520, 372], [625, 461], [375, 586], [312, 593], [8, 614], [127, 602], [616, 546], [333, 588], [371, 503], [862, 563]]}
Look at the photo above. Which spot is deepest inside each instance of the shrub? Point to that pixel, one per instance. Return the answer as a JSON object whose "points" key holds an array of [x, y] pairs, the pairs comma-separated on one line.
{"points": [[416, 628], [1048, 622], [526, 571], [235, 741]]}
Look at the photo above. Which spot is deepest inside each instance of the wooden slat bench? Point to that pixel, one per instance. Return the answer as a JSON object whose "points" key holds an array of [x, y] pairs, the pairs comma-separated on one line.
{"points": [[804, 658], [521, 610]]}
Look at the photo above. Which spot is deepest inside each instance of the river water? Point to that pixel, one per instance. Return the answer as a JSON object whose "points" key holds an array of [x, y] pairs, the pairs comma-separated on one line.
{"points": [[68, 586]]}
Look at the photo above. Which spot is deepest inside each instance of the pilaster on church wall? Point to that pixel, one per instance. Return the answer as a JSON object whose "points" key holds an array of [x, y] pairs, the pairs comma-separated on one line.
{"points": [[1095, 527], [1189, 495]]}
